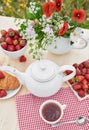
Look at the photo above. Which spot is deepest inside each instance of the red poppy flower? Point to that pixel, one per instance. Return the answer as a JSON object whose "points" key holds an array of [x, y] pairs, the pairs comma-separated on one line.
{"points": [[48, 8], [64, 29], [79, 15], [58, 5]]}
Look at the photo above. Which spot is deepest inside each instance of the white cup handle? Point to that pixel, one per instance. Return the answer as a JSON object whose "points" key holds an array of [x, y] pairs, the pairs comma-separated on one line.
{"points": [[67, 67], [82, 44], [63, 106]]}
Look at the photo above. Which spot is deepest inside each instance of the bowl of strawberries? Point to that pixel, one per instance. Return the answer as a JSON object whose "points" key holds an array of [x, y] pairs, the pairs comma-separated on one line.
{"points": [[79, 84], [12, 43]]}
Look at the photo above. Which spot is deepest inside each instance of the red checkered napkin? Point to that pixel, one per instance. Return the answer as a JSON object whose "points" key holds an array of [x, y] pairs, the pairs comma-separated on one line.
{"points": [[28, 111]]}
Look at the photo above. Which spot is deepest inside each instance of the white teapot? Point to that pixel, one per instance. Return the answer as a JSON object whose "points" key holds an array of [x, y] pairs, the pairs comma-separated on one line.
{"points": [[44, 78]]}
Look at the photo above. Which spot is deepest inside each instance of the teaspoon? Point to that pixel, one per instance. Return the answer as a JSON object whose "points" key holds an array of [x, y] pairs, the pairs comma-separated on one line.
{"points": [[80, 121]]}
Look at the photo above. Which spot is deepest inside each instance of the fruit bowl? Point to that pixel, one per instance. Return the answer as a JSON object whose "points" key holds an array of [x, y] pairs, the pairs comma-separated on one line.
{"points": [[12, 44], [79, 84], [15, 54]]}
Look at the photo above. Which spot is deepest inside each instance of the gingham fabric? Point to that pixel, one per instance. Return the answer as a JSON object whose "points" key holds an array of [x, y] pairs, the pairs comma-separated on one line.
{"points": [[28, 111]]}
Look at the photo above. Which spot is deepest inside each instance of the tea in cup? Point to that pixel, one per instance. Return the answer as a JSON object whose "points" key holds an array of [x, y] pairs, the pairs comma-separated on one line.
{"points": [[51, 111]]}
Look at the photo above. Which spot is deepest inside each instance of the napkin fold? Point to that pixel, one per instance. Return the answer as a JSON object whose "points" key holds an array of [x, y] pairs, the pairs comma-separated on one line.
{"points": [[28, 111]]}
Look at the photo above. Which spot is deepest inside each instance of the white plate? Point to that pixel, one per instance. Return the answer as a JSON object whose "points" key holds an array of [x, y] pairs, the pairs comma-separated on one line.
{"points": [[11, 70]]}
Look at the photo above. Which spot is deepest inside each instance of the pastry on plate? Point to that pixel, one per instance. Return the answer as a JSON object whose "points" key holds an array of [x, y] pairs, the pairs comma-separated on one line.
{"points": [[8, 81]]}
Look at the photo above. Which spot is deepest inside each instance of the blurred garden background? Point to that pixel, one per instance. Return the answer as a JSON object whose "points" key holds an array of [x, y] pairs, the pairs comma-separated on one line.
{"points": [[17, 8]]}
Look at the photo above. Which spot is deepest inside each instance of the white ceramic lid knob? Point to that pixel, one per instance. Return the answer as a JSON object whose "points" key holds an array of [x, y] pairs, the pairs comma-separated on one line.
{"points": [[43, 70]]}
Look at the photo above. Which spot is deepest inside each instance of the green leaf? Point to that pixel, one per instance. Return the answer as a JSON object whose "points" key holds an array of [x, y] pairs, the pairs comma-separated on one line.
{"points": [[30, 15]]}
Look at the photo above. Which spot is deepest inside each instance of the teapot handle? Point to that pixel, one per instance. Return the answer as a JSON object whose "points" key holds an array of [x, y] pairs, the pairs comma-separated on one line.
{"points": [[67, 67]]}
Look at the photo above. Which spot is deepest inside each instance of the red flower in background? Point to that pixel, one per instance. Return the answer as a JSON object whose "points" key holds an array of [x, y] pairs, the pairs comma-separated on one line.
{"points": [[58, 5], [64, 29], [79, 15], [48, 8]]}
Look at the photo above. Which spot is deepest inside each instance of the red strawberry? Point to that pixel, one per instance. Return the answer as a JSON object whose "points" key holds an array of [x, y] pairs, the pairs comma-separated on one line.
{"points": [[87, 91], [15, 42], [78, 72], [84, 81], [3, 93], [84, 71], [2, 39], [80, 78], [81, 93], [11, 48], [85, 86], [81, 66], [68, 72], [71, 81], [75, 65], [2, 75], [87, 76], [22, 58], [86, 63], [9, 40], [17, 47], [16, 37], [16, 32], [3, 32], [4, 45], [76, 87], [11, 32], [22, 42], [87, 71]]}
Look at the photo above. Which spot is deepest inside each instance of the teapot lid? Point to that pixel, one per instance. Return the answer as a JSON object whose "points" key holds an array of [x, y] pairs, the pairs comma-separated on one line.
{"points": [[43, 70]]}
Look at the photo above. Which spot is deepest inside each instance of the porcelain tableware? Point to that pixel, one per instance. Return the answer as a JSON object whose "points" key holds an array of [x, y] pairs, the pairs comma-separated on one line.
{"points": [[44, 78], [51, 111]]}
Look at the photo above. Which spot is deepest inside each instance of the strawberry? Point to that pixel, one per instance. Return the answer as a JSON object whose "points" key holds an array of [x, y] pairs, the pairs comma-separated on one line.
{"points": [[78, 72], [11, 48], [87, 76], [22, 58], [76, 87], [16, 37], [68, 72], [15, 41], [84, 81], [84, 71], [79, 78], [81, 93], [75, 65], [22, 42], [85, 86], [87, 91], [9, 40], [3, 32], [2, 75], [70, 81], [86, 64], [17, 47], [4, 45], [87, 71], [2, 39], [81, 66], [16, 32], [3, 93], [11, 32]]}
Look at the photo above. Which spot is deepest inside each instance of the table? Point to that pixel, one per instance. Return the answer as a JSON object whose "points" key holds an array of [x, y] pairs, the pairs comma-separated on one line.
{"points": [[8, 117]]}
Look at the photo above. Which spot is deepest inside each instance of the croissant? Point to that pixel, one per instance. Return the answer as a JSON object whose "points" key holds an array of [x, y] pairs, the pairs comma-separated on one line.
{"points": [[9, 82]]}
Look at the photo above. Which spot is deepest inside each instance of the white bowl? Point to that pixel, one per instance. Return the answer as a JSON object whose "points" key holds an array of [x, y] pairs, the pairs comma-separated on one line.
{"points": [[15, 54]]}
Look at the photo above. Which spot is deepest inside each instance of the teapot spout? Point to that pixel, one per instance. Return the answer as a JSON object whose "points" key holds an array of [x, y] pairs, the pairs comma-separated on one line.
{"points": [[15, 72]]}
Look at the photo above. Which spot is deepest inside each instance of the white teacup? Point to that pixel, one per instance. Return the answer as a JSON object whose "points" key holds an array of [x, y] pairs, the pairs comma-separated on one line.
{"points": [[51, 111]]}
